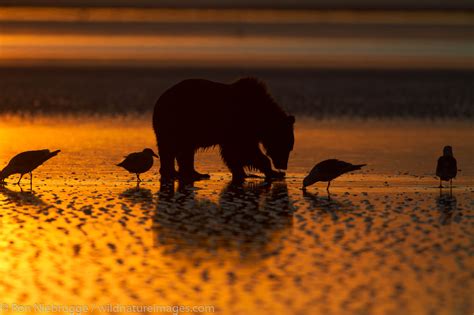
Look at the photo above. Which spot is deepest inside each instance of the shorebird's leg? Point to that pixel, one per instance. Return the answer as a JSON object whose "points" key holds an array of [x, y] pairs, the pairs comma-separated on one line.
{"points": [[31, 178], [21, 176], [327, 188], [138, 178], [440, 184]]}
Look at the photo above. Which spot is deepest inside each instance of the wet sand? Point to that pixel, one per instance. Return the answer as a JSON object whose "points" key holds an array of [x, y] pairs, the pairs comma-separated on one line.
{"points": [[386, 242]]}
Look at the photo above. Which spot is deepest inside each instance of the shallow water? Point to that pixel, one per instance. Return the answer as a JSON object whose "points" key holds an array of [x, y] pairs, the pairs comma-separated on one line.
{"points": [[386, 242]]}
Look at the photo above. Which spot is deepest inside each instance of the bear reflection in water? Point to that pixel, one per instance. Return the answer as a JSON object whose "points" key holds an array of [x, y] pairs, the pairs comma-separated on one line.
{"points": [[250, 218]]}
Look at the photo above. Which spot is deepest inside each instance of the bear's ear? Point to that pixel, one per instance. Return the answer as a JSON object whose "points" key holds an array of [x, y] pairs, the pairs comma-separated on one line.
{"points": [[291, 119]]}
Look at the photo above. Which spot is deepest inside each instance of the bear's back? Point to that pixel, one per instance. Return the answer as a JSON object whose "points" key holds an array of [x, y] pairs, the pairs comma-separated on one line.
{"points": [[202, 113], [203, 103], [196, 94]]}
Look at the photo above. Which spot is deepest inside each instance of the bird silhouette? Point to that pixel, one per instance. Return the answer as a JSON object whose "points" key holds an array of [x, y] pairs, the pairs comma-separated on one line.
{"points": [[26, 162], [447, 168], [328, 170], [138, 162]]}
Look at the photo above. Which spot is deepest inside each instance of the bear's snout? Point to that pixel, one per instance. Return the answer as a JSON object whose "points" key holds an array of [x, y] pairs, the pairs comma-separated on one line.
{"points": [[281, 165]]}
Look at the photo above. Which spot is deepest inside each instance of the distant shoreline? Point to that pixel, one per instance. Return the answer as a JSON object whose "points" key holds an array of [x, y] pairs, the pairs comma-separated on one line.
{"points": [[317, 93], [207, 4]]}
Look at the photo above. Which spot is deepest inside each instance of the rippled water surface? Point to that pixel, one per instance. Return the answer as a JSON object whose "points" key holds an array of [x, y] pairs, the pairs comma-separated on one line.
{"points": [[385, 242]]}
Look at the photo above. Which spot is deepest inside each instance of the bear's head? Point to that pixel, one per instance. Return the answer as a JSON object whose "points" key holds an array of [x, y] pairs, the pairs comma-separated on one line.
{"points": [[279, 141], [277, 128]]}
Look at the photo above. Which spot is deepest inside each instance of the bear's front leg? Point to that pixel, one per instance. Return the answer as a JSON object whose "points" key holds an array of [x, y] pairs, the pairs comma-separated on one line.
{"points": [[186, 166], [167, 157], [263, 163]]}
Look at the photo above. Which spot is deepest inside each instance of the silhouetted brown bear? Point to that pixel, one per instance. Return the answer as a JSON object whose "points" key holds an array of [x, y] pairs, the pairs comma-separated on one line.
{"points": [[197, 113]]}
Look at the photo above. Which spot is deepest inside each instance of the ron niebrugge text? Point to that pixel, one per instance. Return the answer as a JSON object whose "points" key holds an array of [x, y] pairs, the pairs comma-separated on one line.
{"points": [[104, 308]]}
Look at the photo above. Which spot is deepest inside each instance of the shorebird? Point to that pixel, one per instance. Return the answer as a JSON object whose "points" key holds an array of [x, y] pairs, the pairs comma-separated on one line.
{"points": [[138, 162], [447, 166], [26, 162], [328, 170]]}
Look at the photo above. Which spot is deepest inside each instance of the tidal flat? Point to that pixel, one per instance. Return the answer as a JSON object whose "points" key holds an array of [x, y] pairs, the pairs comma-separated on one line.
{"points": [[386, 241]]}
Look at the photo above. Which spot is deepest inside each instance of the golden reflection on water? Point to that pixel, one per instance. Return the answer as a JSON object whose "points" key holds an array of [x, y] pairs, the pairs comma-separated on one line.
{"points": [[385, 243]]}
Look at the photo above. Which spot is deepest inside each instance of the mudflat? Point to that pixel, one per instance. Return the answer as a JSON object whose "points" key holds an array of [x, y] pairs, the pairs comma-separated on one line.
{"points": [[386, 241]]}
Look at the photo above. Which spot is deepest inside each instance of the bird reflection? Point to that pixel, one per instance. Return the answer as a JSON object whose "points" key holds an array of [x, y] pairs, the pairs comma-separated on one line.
{"points": [[247, 217], [324, 204], [22, 198], [138, 195], [447, 206]]}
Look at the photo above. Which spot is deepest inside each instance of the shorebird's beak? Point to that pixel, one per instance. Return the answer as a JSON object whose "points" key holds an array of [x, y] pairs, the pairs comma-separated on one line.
{"points": [[154, 154]]}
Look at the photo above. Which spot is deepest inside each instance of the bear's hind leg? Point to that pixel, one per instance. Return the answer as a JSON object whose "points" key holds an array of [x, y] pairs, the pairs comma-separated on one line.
{"points": [[238, 173], [232, 157], [186, 166], [199, 176]]}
